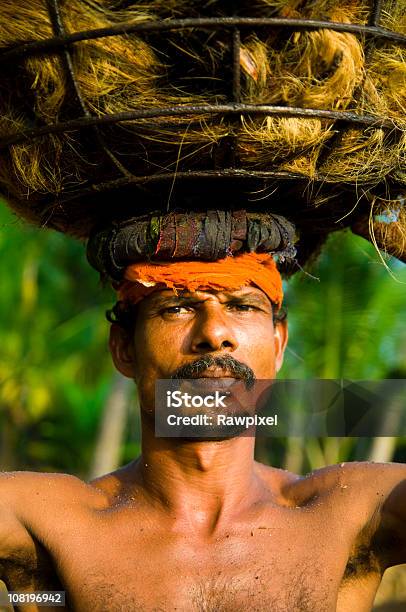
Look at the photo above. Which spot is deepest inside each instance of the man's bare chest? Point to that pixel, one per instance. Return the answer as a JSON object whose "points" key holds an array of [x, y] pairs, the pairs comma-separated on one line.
{"points": [[220, 592], [108, 566], [175, 585]]}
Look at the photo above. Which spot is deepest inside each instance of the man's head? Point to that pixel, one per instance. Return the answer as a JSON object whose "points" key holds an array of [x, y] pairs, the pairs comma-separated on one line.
{"points": [[223, 333], [199, 293]]}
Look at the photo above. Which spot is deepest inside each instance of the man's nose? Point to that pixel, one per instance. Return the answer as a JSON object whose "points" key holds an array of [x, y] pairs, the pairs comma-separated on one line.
{"points": [[212, 331]]}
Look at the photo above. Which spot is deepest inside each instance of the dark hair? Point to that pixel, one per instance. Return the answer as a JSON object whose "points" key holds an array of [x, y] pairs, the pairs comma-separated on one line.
{"points": [[124, 314]]}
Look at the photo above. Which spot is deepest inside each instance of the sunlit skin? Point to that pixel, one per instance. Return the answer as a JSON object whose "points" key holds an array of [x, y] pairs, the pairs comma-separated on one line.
{"points": [[199, 525], [175, 330]]}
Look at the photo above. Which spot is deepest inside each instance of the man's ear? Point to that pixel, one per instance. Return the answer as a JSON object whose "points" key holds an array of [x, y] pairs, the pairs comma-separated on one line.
{"points": [[281, 339], [122, 350]]}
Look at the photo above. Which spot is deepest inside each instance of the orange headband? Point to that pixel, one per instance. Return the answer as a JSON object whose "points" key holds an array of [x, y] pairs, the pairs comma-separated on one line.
{"points": [[230, 273]]}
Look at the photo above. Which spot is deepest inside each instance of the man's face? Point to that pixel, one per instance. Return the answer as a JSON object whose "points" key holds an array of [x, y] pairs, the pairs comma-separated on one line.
{"points": [[173, 331]]}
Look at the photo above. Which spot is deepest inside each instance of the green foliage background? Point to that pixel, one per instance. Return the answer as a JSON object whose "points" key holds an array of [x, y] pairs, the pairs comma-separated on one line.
{"points": [[56, 374]]}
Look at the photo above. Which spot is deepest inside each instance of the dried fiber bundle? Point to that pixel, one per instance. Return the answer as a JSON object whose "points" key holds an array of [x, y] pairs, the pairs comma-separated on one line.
{"points": [[67, 179], [385, 226]]}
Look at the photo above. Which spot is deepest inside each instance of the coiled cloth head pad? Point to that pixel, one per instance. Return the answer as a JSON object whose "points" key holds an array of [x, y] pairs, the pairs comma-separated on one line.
{"points": [[213, 249]]}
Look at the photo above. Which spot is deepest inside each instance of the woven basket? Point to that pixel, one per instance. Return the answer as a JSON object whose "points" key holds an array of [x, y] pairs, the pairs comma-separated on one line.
{"points": [[315, 130]]}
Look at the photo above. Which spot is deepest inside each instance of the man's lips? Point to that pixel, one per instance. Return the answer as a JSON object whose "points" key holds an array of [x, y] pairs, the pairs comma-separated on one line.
{"points": [[217, 373], [214, 379], [219, 368]]}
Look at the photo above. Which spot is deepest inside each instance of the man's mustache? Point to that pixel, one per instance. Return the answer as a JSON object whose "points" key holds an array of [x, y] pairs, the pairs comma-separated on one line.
{"points": [[228, 363]]}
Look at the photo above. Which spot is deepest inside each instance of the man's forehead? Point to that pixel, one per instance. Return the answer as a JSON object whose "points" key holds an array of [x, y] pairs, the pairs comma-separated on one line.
{"points": [[162, 295]]}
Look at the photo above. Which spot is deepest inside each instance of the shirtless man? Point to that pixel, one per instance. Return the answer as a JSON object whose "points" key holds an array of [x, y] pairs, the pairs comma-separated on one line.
{"points": [[199, 525]]}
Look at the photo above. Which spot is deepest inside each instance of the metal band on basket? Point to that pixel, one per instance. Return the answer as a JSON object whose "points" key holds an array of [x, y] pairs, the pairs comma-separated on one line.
{"points": [[139, 180]]}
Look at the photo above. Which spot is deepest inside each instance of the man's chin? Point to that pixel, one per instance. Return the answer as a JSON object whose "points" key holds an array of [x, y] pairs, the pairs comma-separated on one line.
{"points": [[213, 433]]}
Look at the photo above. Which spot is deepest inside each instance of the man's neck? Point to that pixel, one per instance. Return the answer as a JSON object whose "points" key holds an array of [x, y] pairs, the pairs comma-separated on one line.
{"points": [[202, 483]]}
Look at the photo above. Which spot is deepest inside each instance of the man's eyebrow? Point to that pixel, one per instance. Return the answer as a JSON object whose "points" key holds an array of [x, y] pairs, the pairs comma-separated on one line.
{"points": [[190, 300], [176, 300], [252, 298]]}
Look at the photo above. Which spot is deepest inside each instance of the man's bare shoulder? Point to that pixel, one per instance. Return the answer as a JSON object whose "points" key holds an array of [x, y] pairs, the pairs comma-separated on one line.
{"points": [[363, 477], [31, 502], [17, 486], [29, 496], [369, 483]]}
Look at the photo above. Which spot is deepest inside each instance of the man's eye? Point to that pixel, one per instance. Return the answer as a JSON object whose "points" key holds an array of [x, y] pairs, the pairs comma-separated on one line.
{"points": [[176, 310], [242, 307]]}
